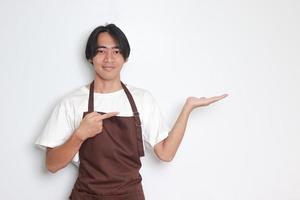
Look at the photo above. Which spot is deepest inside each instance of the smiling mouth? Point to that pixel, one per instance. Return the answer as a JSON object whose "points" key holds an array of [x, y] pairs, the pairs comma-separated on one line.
{"points": [[108, 68]]}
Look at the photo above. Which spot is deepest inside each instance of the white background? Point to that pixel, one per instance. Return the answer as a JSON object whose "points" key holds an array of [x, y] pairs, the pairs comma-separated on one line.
{"points": [[245, 147]]}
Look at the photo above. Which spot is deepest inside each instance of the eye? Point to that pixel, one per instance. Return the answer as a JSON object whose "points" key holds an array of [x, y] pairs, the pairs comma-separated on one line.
{"points": [[116, 51], [99, 51]]}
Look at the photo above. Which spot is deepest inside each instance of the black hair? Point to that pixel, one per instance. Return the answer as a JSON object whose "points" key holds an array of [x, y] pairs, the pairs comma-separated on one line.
{"points": [[115, 32]]}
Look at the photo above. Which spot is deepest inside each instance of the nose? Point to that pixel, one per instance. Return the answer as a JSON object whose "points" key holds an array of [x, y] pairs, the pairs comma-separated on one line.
{"points": [[108, 56]]}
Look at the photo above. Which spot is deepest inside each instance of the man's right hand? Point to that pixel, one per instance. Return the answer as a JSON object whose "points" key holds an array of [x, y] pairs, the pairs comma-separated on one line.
{"points": [[92, 124]]}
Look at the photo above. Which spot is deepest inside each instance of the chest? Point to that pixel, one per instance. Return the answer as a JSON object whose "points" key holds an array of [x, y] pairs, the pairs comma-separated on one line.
{"points": [[118, 103]]}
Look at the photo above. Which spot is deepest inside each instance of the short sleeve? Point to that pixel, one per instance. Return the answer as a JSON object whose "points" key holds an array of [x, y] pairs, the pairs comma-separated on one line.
{"points": [[58, 128], [154, 126]]}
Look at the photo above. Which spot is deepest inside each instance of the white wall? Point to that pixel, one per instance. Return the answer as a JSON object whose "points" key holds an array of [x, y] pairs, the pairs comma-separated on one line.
{"points": [[245, 147]]}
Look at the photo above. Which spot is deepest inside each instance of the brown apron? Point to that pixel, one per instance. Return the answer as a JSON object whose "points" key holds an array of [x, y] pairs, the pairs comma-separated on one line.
{"points": [[110, 161]]}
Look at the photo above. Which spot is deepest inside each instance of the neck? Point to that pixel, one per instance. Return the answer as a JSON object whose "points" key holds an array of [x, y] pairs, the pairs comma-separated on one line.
{"points": [[106, 86]]}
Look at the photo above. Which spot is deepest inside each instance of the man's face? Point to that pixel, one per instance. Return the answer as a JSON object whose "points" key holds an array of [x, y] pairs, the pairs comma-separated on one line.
{"points": [[108, 60]]}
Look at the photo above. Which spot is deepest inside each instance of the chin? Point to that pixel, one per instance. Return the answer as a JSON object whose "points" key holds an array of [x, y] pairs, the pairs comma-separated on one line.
{"points": [[107, 78]]}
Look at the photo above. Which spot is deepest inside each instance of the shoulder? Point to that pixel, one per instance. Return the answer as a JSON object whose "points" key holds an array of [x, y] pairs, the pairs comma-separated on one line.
{"points": [[140, 93], [143, 97], [79, 92], [74, 97]]}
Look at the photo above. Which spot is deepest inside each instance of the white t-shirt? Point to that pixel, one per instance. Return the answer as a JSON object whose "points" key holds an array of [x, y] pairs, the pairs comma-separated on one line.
{"points": [[67, 115]]}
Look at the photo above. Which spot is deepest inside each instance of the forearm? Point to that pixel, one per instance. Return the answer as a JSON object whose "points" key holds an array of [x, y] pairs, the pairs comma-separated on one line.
{"points": [[58, 157], [170, 145]]}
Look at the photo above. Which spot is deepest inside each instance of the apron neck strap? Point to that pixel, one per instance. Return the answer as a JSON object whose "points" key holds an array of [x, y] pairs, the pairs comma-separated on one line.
{"points": [[91, 98], [132, 104]]}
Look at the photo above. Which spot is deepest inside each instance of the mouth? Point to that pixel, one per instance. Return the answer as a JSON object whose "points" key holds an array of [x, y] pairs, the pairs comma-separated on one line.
{"points": [[108, 68]]}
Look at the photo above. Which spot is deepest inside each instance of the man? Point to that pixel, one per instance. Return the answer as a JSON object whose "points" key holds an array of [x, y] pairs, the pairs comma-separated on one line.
{"points": [[108, 141]]}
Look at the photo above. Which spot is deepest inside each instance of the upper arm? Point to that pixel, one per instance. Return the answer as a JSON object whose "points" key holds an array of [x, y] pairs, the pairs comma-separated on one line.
{"points": [[58, 127], [155, 129], [48, 150]]}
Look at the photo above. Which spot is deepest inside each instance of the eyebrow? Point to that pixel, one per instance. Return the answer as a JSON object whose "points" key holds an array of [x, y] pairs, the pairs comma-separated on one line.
{"points": [[105, 47]]}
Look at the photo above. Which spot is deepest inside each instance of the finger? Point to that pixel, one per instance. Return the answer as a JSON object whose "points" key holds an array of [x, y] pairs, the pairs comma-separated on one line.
{"points": [[217, 98], [223, 95], [108, 115], [91, 115], [99, 130]]}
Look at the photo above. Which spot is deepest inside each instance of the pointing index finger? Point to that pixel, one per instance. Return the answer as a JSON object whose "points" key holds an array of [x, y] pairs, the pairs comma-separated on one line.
{"points": [[108, 115]]}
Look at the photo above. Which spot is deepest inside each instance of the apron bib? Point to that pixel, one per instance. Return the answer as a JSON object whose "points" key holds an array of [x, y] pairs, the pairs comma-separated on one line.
{"points": [[110, 161]]}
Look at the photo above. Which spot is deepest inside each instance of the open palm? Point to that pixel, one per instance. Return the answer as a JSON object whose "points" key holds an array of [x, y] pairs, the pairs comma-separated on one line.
{"points": [[195, 102]]}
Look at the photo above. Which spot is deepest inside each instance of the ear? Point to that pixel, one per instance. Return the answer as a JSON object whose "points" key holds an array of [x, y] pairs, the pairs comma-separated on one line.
{"points": [[90, 61]]}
